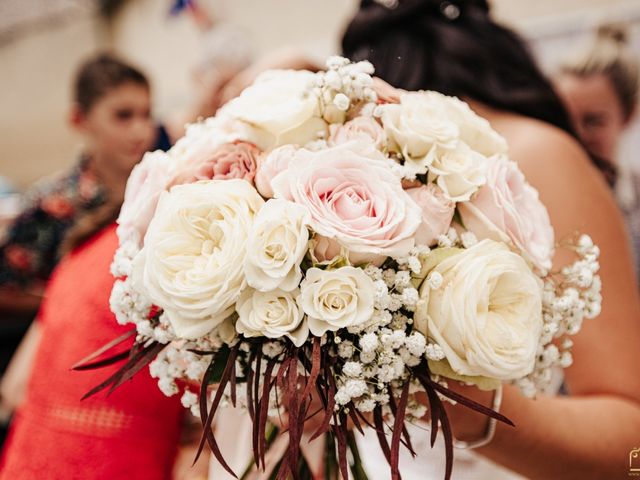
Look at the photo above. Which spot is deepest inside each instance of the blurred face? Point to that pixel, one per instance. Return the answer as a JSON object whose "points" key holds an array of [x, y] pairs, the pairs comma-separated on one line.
{"points": [[118, 128], [595, 110]]}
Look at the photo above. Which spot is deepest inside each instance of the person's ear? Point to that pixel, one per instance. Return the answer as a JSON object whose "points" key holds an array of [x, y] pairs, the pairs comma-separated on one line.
{"points": [[77, 117]]}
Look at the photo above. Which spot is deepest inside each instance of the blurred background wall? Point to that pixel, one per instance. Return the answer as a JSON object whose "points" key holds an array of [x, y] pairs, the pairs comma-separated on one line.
{"points": [[42, 42]]}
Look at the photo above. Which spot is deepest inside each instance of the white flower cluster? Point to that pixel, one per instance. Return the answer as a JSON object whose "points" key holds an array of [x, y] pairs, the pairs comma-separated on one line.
{"points": [[122, 264], [175, 363], [130, 306], [378, 364], [342, 86], [566, 302]]}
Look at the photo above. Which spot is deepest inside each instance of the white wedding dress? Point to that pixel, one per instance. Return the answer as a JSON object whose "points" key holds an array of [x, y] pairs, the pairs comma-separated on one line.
{"points": [[234, 434], [429, 464]]}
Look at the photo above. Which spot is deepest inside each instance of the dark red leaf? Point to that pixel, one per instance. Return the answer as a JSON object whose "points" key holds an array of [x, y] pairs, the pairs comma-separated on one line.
{"points": [[405, 434], [398, 427], [467, 402], [82, 363], [315, 368], [379, 428], [207, 434]]}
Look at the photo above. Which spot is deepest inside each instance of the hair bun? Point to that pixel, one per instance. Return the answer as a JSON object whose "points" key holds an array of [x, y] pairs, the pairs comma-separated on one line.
{"points": [[616, 32]]}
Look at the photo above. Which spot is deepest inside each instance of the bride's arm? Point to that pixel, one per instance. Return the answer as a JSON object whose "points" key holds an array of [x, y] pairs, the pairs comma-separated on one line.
{"points": [[589, 433]]}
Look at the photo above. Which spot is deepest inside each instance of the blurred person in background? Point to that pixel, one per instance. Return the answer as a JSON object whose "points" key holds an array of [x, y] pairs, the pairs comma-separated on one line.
{"points": [[599, 86], [111, 111], [134, 433], [112, 114]]}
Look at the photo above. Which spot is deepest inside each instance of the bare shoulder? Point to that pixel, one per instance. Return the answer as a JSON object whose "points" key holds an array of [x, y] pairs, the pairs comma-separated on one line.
{"points": [[543, 150], [558, 167], [579, 200]]}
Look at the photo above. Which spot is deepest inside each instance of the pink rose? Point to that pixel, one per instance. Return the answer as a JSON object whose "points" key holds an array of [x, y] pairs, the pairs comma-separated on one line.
{"points": [[228, 161], [386, 93], [270, 165], [147, 181], [508, 209], [355, 199], [437, 213], [360, 128]]}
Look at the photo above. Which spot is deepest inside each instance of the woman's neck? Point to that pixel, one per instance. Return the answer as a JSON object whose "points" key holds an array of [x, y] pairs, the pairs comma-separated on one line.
{"points": [[112, 180]]}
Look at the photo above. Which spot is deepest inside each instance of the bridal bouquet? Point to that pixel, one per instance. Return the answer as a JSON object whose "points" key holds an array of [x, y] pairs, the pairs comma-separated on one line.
{"points": [[328, 247]]}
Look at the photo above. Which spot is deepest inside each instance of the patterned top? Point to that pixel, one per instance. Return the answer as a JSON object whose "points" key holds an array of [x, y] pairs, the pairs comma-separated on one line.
{"points": [[29, 250]]}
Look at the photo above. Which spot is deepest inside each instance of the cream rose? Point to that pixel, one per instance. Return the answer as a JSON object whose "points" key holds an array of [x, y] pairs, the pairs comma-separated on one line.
{"points": [[508, 209], [459, 172], [425, 123], [355, 199], [147, 181], [273, 314], [487, 315], [416, 127], [276, 245], [194, 252], [280, 103], [334, 299], [475, 130]]}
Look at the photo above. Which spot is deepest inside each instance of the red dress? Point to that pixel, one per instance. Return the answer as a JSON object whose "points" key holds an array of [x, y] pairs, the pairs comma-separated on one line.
{"points": [[132, 434]]}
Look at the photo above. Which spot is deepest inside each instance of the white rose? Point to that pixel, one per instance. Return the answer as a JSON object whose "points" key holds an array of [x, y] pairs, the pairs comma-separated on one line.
{"points": [[487, 315], [416, 127], [272, 314], [280, 103], [475, 131], [276, 245], [194, 252], [459, 172], [334, 299], [425, 122]]}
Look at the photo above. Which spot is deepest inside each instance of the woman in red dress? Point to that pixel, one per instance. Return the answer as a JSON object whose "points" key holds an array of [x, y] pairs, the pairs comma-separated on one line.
{"points": [[131, 434]]}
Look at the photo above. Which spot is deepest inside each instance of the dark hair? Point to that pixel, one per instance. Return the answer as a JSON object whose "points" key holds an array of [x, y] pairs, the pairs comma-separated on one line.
{"points": [[101, 74], [454, 47]]}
